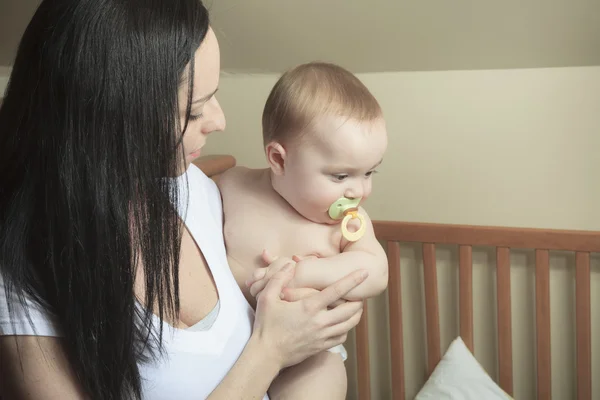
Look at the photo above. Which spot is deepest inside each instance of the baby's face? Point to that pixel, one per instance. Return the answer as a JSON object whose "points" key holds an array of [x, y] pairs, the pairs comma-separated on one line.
{"points": [[337, 160]]}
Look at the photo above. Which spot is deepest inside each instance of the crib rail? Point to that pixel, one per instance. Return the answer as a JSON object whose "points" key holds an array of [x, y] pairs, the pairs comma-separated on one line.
{"points": [[503, 240]]}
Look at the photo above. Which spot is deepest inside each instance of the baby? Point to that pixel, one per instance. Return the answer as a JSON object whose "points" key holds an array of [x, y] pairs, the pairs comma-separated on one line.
{"points": [[324, 136]]}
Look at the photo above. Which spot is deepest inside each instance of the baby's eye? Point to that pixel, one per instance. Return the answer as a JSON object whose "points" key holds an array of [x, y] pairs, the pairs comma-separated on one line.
{"points": [[340, 177], [368, 174]]}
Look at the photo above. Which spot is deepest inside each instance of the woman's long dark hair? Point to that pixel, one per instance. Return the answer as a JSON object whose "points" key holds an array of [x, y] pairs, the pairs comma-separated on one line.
{"points": [[89, 126]]}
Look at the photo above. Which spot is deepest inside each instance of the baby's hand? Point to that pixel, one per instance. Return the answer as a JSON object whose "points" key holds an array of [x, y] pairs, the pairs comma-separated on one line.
{"points": [[261, 276]]}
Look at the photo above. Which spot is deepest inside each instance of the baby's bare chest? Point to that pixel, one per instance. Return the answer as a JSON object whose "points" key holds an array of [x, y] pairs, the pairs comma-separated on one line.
{"points": [[257, 223]]}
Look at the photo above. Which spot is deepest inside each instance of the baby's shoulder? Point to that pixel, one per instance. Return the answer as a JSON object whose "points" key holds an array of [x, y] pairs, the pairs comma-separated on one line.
{"points": [[232, 178], [241, 184]]}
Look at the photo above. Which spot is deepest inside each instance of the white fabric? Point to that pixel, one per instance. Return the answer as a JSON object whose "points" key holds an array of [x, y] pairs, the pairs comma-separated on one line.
{"points": [[459, 376], [207, 322], [341, 350], [196, 361]]}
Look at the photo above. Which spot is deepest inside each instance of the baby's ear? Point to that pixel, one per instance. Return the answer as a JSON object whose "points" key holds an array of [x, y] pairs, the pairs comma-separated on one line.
{"points": [[276, 157]]}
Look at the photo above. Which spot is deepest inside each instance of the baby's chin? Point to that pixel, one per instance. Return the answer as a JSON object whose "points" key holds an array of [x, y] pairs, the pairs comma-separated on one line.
{"points": [[321, 218]]}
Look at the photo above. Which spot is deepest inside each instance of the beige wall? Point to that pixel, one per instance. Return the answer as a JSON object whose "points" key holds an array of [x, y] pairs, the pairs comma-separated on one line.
{"points": [[505, 147], [4, 75], [498, 147], [14, 17]]}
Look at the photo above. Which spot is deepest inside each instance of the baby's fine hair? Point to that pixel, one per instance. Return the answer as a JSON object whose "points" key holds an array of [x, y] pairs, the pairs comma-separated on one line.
{"points": [[312, 90]]}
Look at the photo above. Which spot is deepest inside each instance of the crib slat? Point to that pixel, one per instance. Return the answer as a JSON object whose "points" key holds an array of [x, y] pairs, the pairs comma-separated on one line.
{"points": [[465, 297], [396, 333], [584, 326], [363, 369], [542, 314], [432, 312], [505, 366]]}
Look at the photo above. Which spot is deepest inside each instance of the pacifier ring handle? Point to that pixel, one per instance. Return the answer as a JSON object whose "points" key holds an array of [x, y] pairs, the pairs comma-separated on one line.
{"points": [[353, 236]]}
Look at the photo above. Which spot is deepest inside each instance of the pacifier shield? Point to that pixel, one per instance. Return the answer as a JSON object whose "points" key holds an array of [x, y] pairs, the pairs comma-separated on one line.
{"points": [[338, 209]]}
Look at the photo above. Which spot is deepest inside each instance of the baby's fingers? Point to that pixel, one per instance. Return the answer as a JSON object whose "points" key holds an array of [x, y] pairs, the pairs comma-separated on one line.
{"points": [[259, 274], [258, 286], [268, 258]]}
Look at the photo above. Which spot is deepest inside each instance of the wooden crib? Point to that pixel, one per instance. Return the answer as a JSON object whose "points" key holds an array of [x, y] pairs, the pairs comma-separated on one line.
{"points": [[466, 238], [503, 240]]}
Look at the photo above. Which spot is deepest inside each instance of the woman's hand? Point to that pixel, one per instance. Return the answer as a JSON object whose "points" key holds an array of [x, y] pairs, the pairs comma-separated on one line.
{"points": [[295, 294], [261, 276], [294, 331]]}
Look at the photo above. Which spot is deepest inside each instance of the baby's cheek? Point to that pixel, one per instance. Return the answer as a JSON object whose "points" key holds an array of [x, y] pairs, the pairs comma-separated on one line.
{"points": [[326, 200], [367, 193]]}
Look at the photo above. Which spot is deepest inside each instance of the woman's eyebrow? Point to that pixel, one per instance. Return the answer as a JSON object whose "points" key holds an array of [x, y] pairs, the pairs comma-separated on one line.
{"points": [[205, 98]]}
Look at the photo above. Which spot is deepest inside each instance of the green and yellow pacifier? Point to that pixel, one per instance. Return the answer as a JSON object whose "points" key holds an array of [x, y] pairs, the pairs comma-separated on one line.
{"points": [[347, 209]]}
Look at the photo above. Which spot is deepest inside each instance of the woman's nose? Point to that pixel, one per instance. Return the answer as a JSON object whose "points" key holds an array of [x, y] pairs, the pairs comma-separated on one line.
{"points": [[216, 120]]}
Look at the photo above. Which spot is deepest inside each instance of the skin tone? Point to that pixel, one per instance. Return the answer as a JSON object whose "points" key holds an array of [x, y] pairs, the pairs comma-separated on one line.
{"points": [[284, 332], [337, 159], [206, 115]]}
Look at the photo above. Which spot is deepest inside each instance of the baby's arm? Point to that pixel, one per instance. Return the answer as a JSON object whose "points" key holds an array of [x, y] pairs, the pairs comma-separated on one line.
{"points": [[366, 253]]}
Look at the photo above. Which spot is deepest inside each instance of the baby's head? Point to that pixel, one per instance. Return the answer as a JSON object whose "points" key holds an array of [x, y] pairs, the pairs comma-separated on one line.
{"points": [[324, 135]]}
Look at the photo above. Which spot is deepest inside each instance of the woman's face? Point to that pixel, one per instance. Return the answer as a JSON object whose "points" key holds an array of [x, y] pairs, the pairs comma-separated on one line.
{"points": [[206, 115]]}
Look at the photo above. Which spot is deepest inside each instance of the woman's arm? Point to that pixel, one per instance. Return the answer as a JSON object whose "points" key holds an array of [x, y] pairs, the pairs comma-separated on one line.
{"points": [[35, 367], [286, 333], [251, 375]]}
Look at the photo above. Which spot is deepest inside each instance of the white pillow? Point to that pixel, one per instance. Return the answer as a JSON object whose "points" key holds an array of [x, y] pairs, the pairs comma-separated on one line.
{"points": [[459, 376]]}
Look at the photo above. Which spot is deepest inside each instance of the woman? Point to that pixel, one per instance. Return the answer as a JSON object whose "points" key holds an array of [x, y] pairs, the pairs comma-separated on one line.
{"points": [[114, 281]]}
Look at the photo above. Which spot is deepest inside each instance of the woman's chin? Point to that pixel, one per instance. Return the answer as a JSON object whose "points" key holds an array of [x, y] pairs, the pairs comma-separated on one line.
{"points": [[193, 155]]}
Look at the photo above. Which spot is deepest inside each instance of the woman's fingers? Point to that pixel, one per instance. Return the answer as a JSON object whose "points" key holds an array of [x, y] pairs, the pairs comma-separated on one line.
{"points": [[337, 303], [341, 313], [278, 282], [295, 294], [338, 290], [334, 341], [344, 326]]}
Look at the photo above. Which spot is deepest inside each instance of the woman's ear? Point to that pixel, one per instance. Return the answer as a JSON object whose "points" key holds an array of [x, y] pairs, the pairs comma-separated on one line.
{"points": [[276, 155]]}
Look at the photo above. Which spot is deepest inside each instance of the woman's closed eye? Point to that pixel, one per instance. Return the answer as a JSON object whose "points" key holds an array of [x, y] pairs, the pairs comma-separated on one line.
{"points": [[195, 117]]}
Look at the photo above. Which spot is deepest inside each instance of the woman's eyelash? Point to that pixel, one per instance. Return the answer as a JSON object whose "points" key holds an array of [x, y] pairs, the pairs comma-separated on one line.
{"points": [[195, 117]]}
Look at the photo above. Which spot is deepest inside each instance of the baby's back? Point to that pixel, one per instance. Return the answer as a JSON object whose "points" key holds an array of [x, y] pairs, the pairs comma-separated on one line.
{"points": [[257, 218]]}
